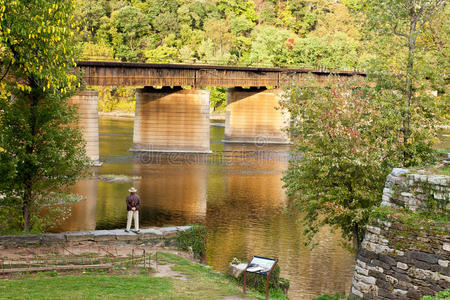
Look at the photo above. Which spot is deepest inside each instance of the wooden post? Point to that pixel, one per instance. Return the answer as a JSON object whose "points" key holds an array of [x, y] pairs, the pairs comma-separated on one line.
{"points": [[268, 277], [245, 276], [144, 257], [245, 280]]}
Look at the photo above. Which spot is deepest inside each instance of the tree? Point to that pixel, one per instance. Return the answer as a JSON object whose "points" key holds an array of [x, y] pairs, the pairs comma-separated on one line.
{"points": [[129, 32], [41, 152], [271, 46], [349, 134], [332, 52], [399, 26], [347, 147], [218, 31]]}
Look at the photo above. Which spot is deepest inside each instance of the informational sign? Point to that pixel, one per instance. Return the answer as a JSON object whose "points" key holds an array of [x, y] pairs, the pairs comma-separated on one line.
{"points": [[261, 265]]}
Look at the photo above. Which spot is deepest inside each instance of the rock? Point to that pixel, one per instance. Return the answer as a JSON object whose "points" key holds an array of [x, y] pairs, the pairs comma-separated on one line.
{"points": [[236, 270], [54, 238], [402, 266], [400, 292], [399, 172], [102, 235], [361, 271], [443, 263], [27, 239], [423, 256], [357, 293], [423, 274], [121, 235], [183, 228], [79, 236], [169, 231], [148, 233]]}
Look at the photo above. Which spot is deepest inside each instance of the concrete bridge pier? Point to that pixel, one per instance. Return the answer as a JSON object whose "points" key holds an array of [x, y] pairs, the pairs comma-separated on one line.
{"points": [[254, 116], [87, 102], [171, 120]]}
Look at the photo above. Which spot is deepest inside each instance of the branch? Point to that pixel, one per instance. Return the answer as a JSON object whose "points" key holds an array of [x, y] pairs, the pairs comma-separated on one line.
{"points": [[430, 12], [399, 33], [7, 70]]}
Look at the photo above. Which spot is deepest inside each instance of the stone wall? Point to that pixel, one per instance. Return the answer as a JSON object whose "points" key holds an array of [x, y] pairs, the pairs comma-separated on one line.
{"points": [[402, 257], [91, 236]]}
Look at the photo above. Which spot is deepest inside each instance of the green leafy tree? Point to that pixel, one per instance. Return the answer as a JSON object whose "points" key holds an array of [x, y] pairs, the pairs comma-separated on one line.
{"points": [[351, 135], [218, 31], [42, 153], [348, 146], [91, 12], [235, 8], [333, 52], [129, 33], [405, 69], [218, 98], [272, 46], [163, 17]]}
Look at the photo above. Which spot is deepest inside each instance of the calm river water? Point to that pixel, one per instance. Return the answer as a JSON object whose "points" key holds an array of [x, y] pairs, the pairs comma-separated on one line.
{"points": [[236, 192]]}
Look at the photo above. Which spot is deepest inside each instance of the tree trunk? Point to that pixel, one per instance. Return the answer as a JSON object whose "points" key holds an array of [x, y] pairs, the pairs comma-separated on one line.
{"points": [[356, 238], [28, 180], [409, 91], [26, 207]]}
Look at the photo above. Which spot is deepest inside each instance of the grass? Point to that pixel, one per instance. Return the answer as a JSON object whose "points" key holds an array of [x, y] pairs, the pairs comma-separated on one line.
{"points": [[86, 287], [202, 283]]}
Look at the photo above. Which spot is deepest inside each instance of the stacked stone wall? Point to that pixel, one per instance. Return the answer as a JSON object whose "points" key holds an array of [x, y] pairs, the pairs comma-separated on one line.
{"points": [[405, 261]]}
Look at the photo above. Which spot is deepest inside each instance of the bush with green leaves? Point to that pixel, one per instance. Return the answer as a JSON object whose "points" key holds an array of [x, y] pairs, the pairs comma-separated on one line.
{"points": [[194, 238], [441, 295], [258, 281]]}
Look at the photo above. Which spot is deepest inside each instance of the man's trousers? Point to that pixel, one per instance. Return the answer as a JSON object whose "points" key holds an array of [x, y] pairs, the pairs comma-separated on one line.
{"points": [[135, 215]]}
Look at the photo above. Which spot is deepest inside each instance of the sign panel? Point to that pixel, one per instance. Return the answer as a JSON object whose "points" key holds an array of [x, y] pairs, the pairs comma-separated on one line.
{"points": [[261, 265]]}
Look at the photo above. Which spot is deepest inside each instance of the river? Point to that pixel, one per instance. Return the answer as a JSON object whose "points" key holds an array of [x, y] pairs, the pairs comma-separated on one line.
{"points": [[236, 192]]}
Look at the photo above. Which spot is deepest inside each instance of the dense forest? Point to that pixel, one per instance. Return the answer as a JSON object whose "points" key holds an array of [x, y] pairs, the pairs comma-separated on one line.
{"points": [[275, 33], [307, 33]]}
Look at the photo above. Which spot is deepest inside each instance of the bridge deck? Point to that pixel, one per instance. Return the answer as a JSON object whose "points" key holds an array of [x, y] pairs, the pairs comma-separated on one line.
{"points": [[146, 74]]}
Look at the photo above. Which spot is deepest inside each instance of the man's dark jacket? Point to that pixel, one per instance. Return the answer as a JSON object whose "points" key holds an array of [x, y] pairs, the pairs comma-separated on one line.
{"points": [[133, 200]]}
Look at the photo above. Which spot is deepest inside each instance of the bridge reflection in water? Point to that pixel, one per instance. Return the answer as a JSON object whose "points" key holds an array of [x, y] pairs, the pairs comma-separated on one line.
{"points": [[236, 192]]}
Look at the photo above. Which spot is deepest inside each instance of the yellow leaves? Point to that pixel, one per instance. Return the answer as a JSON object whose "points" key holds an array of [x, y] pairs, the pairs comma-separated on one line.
{"points": [[23, 88]]}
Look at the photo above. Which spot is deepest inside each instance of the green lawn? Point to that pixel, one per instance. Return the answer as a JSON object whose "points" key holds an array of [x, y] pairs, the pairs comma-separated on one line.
{"points": [[202, 283]]}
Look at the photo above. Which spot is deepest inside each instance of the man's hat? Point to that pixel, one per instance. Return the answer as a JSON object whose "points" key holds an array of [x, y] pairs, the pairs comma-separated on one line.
{"points": [[132, 190]]}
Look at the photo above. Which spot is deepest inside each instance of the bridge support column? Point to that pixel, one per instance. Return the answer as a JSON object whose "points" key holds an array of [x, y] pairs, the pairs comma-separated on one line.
{"points": [[171, 120], [254, 116], [87, 102]]}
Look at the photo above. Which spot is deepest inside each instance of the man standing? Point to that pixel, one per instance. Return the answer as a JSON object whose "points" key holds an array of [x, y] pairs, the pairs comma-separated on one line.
{"points": [[133, 203]]}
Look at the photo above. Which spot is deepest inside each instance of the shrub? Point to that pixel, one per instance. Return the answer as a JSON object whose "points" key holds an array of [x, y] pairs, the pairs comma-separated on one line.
{"points": [[194, 238], [441, 295], [258, 281]]}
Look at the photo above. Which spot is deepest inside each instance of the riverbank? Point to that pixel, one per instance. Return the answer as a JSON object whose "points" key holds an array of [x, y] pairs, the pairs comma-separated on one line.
{"points": [[103, 263], [173, 277]]}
